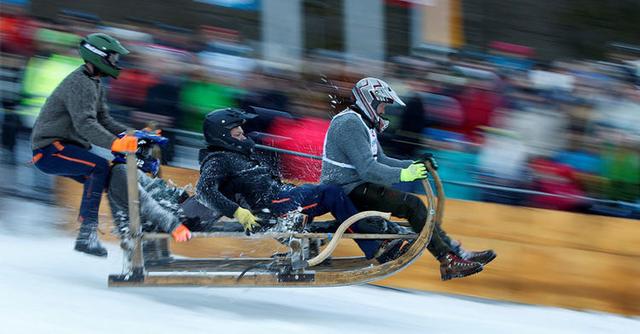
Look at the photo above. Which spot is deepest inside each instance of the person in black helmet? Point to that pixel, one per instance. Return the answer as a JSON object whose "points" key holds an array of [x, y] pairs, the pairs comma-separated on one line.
{"points": [[74, 118], [228, 167]]}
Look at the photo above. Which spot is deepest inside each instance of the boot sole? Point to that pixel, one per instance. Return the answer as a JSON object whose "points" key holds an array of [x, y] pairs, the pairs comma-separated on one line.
{"points": [[488, 260], [86, 251], [460, 275]]}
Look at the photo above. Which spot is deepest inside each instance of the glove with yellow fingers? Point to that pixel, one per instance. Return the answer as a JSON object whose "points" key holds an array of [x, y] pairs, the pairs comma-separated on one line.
{"points": [[416, 171], [246, 219]]}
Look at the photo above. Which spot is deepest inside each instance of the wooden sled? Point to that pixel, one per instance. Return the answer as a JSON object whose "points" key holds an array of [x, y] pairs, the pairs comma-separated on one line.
{"points": [[297, 267]]}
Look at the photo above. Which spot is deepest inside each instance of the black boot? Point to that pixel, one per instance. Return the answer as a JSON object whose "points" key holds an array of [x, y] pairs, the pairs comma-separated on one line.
{"points": [[392, 249], [482, 257], [87, 241], [453, 266]]}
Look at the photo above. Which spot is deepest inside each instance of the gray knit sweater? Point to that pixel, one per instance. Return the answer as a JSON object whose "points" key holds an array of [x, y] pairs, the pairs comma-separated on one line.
{"points": [[349, 142], [76, 112]]}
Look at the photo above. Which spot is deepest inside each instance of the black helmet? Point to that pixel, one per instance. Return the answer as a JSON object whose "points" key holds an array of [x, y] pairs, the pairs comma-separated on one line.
{"points": [[217, 129]]}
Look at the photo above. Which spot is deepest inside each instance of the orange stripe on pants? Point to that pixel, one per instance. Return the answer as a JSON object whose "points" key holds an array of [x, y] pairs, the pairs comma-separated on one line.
{"points": [[58, 146], [309, 206], [36, 157], [74, 160], [282, 200]]}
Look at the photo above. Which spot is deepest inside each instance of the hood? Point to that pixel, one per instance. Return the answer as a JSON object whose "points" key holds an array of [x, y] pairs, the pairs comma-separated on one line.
{"points": [[205, 153]]}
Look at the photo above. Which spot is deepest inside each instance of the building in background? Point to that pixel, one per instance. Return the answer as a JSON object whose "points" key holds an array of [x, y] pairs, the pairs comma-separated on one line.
{"points": [[290, 29]]}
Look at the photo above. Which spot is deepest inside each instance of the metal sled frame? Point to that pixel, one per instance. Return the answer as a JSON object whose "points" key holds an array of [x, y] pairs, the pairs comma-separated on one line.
{"points": [[287, 271]]}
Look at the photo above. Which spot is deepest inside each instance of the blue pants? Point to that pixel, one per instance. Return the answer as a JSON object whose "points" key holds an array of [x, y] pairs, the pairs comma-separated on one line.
{"points": [[316, 200], [79, 164]]}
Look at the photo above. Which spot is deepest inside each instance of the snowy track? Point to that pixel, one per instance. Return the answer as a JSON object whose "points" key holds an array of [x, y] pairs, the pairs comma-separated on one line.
{"points": [[45, 287]]}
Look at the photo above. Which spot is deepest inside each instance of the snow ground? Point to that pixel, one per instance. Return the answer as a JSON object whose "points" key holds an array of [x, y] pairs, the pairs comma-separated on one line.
{"points": [[46, 287]]}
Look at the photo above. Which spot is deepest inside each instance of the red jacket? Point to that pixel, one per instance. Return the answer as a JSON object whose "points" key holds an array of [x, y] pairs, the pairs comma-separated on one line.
{"points": [[302, 135], [555, 178]]}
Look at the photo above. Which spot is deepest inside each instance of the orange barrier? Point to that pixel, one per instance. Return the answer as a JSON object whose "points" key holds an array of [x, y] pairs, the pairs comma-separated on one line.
{"points": [[544, 257]]}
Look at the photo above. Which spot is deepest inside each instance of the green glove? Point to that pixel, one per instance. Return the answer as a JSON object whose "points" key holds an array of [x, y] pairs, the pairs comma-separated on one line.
{"points": [[245, 218], [414, 172]]}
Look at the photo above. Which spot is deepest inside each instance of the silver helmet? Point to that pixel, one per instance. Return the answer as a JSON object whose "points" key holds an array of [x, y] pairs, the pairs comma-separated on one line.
{"points": [[369, 93]]}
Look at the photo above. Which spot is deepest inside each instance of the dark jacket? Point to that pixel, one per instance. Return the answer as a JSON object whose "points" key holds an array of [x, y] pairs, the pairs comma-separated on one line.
{"points": [[225, 174]]}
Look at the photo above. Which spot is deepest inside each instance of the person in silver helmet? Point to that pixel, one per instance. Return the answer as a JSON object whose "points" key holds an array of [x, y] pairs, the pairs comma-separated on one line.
{"points": [[354, 160]]}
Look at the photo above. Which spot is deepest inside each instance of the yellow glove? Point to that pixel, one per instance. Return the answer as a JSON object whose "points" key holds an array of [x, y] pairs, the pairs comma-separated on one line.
{"points": [[246, 218], [414, 172]]}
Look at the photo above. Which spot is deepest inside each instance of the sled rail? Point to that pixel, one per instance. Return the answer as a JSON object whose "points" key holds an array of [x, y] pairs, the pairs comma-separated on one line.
{"points": [[242, 235]]}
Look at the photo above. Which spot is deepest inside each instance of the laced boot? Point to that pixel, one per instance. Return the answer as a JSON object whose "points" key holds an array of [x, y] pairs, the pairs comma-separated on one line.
{"points": [[453, 266], [483, 257]]}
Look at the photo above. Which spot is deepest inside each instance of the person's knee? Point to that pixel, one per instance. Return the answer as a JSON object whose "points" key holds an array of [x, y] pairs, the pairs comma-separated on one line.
{"points": [[415, 203], [417, 211], [101, 166], [331, 192]]}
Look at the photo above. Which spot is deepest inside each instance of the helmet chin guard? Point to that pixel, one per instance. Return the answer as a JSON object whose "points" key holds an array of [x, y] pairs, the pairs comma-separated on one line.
{"points": [[368, 94]]}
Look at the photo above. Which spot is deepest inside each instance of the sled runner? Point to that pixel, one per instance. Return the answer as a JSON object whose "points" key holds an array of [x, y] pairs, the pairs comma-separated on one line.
{"points": [[307, 262]]}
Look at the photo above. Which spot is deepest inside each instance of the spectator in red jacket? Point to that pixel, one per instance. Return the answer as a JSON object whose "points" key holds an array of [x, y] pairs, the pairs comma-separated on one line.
{"points": [[305, 135], [556, 178]]}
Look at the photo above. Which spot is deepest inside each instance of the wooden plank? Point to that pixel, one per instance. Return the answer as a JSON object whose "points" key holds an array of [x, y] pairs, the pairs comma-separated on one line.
{"points": [[240, 264], [543, 227], [133, 197]]}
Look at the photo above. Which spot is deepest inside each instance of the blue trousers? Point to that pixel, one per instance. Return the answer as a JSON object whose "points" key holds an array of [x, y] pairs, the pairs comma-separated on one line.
{"points": [[81, 165], [316, 200]]}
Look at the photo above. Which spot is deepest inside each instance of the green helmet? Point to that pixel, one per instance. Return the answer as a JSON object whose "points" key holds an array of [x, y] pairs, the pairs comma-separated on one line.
{"points": [[103, 51]]}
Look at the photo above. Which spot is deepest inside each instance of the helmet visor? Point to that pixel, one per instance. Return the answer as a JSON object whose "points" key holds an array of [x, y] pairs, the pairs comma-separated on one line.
{"points": [[113, 58], [387, 95]]}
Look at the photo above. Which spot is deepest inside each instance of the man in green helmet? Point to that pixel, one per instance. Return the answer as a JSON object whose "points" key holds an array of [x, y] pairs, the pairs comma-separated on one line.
{"points": [[75, 117]]}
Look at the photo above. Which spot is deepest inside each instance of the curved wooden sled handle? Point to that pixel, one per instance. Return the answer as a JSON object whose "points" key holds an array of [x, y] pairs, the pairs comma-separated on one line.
{"points": [[326, 252], [416, 248]]}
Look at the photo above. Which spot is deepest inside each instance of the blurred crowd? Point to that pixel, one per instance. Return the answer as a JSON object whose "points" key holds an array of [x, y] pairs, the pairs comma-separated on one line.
{"points": [[496, 121]]}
